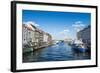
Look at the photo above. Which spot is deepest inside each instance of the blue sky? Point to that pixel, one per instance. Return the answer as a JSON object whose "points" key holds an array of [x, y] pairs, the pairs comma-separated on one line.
{"points": [[60, 25]]}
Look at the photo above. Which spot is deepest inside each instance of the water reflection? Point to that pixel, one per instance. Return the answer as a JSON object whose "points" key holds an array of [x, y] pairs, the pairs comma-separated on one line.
{"points": [[58, 52]]}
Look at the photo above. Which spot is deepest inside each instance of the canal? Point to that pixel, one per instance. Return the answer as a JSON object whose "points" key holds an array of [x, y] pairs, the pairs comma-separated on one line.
{"points": [[58, 52]]}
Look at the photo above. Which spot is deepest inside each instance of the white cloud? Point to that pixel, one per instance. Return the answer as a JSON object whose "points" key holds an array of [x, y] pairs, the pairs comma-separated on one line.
{"points": [[78, 22], [78, 25], [64, 32], [31, 22]]}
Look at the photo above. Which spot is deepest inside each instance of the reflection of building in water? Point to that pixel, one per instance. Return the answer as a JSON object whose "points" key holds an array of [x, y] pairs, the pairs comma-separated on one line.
{"points": [[34, 37], [85, 36]]}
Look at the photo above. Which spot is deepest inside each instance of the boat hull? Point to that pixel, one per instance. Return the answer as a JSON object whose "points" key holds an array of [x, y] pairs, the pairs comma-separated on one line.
{"points": [[79, 49]]}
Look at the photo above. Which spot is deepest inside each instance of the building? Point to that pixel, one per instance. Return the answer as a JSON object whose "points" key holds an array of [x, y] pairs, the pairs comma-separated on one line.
{"points": [[49, 40], [85, 36], [39, 37], [24, 35], [45, 38], [27, 37], [34, 37], [29, 34]]}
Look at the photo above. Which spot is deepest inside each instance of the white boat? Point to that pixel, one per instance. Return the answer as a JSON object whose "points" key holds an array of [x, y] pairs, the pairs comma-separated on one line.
{"points": [[56, 42]]}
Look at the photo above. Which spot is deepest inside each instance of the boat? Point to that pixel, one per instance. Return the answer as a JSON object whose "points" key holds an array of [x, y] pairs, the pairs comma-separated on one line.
{"points": [[56, 42], [70, 43], [82, 48], [78, 46]]}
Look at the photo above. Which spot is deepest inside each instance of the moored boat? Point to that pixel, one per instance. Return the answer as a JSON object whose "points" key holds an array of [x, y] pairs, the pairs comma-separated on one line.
{"points": [[78, 46]]}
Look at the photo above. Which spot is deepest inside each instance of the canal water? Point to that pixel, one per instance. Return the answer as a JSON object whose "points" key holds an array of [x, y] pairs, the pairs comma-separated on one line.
{"points": [[58, 52]]}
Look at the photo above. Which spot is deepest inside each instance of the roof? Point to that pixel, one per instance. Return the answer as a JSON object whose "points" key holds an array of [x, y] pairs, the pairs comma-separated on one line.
{"points": [[29, 26]]}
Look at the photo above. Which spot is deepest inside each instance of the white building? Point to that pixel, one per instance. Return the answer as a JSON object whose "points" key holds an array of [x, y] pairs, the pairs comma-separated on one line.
{"points": [[34, 37], [28, 35], [24, 35], [45, 37]]}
